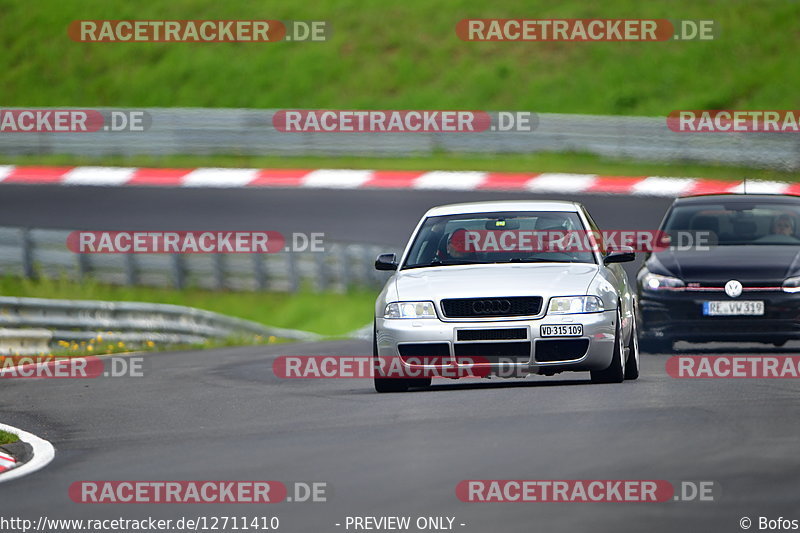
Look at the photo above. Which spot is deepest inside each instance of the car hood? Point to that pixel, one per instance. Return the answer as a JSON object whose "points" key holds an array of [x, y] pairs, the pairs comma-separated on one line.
{"points": [[478, 281], [752, 264]]}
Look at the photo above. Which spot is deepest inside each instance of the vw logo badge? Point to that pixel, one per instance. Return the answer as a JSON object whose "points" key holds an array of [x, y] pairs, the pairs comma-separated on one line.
{"points": [[733, 288]]}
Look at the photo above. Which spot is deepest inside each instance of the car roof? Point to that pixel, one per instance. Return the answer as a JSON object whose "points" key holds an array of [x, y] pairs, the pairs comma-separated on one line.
{"points": [[738, 197], [501, 206]]}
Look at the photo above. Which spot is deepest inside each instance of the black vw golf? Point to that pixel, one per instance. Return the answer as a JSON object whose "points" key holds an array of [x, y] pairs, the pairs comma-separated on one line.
{"points": [[731, 272]]}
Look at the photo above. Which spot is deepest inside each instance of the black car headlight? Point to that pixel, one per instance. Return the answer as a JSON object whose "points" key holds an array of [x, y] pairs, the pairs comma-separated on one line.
{"points": [[792, 284], [657, 282]]}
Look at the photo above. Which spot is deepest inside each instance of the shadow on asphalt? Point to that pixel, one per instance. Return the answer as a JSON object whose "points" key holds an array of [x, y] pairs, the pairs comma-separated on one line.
{"points": [[496, 384], [731, 348]]}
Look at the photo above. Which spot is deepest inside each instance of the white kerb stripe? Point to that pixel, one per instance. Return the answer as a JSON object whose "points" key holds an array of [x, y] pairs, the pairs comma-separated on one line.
{"points": [[658, 186], [556, 182], [450, 180], [5, 170], [98, 176], [336, 178], [761, 187], [43, 453], [219, 177]]}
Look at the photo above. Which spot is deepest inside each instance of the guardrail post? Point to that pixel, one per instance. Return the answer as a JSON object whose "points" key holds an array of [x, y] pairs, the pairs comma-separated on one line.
{"points": [[369, 265], [322, 273], [219, 271], [294, 277], [130, 270], [344, 266], [260, 272], [178, 272], [27, 253], [83, 265]]}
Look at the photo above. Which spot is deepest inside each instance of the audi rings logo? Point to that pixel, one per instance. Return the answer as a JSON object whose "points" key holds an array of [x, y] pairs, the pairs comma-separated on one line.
{"points": [[491, 307]]}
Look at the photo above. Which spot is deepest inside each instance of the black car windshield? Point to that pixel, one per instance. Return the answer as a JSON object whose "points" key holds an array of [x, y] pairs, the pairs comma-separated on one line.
{"points": [[488, 238], [736, 223]]}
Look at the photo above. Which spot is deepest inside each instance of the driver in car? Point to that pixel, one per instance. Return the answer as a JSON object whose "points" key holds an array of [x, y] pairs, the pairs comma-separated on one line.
{"points": [[454, 247], [783, 225], [456, 244]]}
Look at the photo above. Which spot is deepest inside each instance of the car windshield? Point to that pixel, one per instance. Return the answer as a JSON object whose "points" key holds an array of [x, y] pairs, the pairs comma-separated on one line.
{"points": [[490, 238], [736, 223]]}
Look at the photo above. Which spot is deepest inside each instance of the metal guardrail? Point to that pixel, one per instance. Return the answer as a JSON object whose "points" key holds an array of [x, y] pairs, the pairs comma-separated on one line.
{"points": [[43, 253], [24, 341], [133, 323], [204, 131]]}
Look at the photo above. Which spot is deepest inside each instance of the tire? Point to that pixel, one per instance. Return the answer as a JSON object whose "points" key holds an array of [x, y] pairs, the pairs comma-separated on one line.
{"points": [[383, 384], [615, 373], [632, 363], [390, 384]]}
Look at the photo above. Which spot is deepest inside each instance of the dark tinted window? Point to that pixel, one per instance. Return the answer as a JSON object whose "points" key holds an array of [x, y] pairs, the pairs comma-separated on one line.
{"points": [[738, 223]]}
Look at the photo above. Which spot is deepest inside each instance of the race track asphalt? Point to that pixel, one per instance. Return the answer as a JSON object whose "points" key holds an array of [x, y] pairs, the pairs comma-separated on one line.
{"points": [[222, 414]]}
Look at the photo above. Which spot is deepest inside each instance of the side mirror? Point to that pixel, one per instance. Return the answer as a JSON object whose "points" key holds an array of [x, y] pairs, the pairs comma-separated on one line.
{"points": [[386, 262], [624, 254]]}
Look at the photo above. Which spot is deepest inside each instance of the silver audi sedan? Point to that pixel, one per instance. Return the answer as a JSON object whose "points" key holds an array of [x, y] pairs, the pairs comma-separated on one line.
{"points": [[494, 289]]}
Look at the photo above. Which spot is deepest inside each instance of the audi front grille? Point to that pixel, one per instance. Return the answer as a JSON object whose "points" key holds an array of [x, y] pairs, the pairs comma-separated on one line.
{"points": [[491, 307]]}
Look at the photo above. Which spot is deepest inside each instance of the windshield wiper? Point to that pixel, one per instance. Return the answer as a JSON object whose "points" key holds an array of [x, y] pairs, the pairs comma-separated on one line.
{"points": [[448, 262], [536, 260]]}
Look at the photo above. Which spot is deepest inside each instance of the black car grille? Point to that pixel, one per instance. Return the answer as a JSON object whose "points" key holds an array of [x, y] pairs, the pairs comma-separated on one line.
{"points": [[435, 353], [560, 350], [747, 286], [491, 307], [492, 334]]}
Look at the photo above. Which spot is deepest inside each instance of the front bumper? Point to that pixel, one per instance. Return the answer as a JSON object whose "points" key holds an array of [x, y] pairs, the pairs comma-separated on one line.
{"points": [[407, 341], [678, 315]]}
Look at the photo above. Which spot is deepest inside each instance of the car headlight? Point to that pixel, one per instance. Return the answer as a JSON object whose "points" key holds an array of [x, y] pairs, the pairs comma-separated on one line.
{"points": [[409, 310], [657, 282], [575, 304], [792, 284]]}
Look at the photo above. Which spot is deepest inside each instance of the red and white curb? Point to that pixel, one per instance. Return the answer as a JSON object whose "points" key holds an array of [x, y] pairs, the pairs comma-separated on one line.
{"points": [[552, 183], [43, 453], [6, 462]]}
